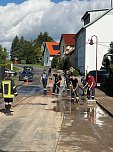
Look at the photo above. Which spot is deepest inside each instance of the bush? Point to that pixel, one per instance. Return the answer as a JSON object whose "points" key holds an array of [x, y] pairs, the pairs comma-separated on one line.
{"points": [[60, 64], [75, 72], [54, 62], [23, 62]]}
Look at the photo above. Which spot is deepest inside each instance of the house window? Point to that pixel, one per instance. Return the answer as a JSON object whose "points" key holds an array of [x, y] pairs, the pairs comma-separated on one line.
{"points": [[63, 49], [55, 47], [47, 59], [87, 20]]}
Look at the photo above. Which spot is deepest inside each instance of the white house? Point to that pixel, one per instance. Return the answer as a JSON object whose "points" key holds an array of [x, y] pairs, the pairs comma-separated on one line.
{"points": [[98, 25], [67, 47], [50, 50]]}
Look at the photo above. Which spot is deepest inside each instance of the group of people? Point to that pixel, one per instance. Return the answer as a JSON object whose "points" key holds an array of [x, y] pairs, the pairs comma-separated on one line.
{"points": [[72, 84], [88, 83], [56, 78], [9, 91]]}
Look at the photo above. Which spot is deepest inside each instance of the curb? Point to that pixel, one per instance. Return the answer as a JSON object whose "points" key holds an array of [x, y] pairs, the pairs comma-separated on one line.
{"points": [[107, 111], [1, 100]]}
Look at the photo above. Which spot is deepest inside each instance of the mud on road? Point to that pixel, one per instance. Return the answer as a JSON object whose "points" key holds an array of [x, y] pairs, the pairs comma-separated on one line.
{"points": [[52, 124], [46, 124], [32, 127]]}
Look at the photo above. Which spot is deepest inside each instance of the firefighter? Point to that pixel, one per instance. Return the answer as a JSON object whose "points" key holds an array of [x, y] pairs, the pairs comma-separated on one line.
{"points": [[8, 92]]}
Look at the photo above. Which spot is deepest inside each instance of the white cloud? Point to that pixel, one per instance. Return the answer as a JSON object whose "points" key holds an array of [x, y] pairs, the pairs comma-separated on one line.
{"points": [[34, 16]]}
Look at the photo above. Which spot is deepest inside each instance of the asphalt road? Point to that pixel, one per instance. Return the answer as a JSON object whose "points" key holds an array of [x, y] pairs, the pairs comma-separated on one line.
{"points": [[51, 124], [32, 127]]}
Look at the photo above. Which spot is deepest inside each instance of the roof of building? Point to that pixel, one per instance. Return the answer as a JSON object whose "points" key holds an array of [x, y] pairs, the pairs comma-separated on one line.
{"points": [[84, 27], [92, 11], [69, 39], [53, 48]]}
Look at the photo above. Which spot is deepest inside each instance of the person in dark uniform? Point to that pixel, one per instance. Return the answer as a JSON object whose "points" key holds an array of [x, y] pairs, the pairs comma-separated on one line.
{"points": [[84, 81], [74, 88], [67, 77], [9, 91], [49, 71], [57, 81], [44, 79]]}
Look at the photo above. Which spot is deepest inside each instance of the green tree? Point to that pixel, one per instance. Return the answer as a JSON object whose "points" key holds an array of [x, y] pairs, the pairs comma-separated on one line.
{"points": [[15, 48], [111, 48], [54, 62], [38, 54], [111, 52], [29, 51], [42, 37], [3, 55]]}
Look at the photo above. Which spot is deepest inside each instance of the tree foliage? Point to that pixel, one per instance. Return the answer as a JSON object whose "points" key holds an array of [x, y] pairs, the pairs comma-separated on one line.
{"points": [[29, 51], [108, 61], [54, 62], [111, 48], [42, 37], [3, 55]]}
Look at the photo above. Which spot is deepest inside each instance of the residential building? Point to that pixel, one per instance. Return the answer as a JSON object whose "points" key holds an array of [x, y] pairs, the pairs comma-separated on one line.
{"points": [[67, 47], [98, 27], [50, 49]]}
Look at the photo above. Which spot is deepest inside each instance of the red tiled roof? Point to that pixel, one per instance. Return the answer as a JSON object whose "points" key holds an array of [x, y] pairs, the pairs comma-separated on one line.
{"points": [[69, 39], [50, 46]]}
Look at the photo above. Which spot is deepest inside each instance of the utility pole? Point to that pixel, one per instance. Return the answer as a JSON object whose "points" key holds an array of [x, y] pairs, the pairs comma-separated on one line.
{"points": [[111, 3], [91, 43]]}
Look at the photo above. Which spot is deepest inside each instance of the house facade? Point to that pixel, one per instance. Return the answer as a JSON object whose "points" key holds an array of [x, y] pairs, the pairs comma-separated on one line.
{"points": [[50, 49], [67, 47], [98, 27]]}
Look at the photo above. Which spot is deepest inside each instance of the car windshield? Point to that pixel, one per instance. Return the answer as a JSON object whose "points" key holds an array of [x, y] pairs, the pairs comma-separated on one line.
{"points": [[103, 72], [26, 72], [98, 72], [27, 68], [23, 72], [93, 72], [6, 69]]}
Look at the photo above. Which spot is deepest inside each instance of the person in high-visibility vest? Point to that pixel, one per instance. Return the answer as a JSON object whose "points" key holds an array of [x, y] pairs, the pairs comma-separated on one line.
{"points": [[9, 91]]}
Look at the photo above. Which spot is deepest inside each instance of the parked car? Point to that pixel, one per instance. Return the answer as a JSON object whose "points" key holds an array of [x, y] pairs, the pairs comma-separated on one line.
{"points": [[101, 75], [12, 72], [28, 68], [24, 75]]}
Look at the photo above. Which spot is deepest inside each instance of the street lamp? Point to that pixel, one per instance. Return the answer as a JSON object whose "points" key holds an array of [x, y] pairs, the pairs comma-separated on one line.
{"points": [[91, 43]]}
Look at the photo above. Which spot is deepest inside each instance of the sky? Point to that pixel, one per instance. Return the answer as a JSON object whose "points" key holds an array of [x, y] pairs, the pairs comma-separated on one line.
{"points": [[30, 17]]}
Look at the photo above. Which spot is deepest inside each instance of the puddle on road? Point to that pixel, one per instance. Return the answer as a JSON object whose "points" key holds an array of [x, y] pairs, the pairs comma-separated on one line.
{"points": [[83, 112], [30, 90]]}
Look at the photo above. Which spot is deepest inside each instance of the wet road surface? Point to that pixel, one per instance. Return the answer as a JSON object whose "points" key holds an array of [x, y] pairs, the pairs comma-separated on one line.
{"points": [[32, 127], [52, 124], [30, 90], [86, 129]]}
